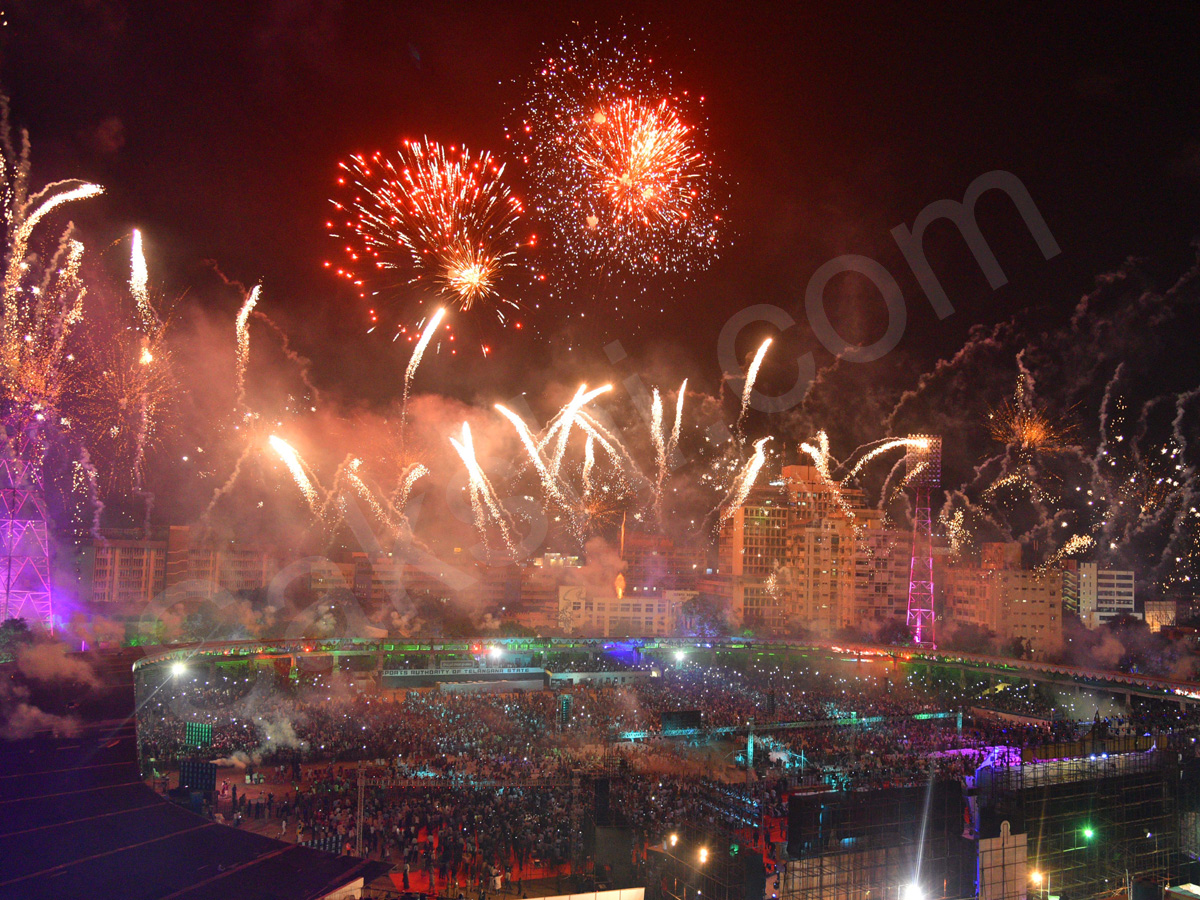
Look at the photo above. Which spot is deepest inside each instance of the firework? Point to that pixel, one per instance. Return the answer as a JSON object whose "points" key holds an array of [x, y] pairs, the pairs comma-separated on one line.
{"points": [[882, 448], [419, 351], [444, 214], [119, 406], [351, 474], [616, 157], [41, 308], [664, 446], [483, 495], [295, 465], [415, 472], [1076, 543], [751, 377], [569, 416], [549, 481], [1016, 423], [745, 482], [243, 341], [589, 463], [139, 278], [954, 525]]}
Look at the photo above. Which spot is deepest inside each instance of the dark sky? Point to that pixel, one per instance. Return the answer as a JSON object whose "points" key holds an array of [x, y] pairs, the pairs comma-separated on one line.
{"points": [[217, 127]]}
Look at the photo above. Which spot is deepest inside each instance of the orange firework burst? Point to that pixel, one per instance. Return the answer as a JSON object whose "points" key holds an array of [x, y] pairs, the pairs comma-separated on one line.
{"points": [[643, 163], [441, 212], [1017, 423], [1029, 430], [616, 160]]}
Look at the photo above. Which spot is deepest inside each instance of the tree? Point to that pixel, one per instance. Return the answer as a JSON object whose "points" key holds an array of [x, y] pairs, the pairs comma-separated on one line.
{"points": [[12, 633], [894, 631]]}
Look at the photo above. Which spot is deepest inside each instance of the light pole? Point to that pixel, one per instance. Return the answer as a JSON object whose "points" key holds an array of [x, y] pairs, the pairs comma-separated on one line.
{"points": [[1037, 878]]}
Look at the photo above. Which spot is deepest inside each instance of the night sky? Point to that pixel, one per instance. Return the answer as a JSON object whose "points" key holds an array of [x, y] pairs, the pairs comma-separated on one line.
{"points": [[217, 129]]}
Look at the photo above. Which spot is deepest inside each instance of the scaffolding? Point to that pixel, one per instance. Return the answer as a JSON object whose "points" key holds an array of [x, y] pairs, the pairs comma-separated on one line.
{"points": [[888, 844], [1110, 821], [1094, 826]]}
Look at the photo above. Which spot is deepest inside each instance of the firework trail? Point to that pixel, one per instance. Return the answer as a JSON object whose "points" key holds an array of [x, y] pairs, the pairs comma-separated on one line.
{"points": [[589, 462], [243, 342], [418, 352], [291, 459], [744, 484], [139, 278], [21, 218], [1076, 543], [549, 481], [954, 525], [884, 447], [37, 319], [617, 162], [673, 443], [821, 461], [406, 485], [439, 211], [350, 473], [664, 446], [568, 417], [751, 377], [656, 433], [483, 496]]}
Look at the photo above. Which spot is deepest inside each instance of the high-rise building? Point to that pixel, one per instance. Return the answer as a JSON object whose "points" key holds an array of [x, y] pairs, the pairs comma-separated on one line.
{"points": [[882, 568], [1097, 595], [201, 568], [1012, 602], [793, 557], [128, 571]]}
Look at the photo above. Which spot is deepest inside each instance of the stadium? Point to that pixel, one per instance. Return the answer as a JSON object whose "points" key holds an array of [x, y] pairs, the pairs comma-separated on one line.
{"points": [[672, 769]]}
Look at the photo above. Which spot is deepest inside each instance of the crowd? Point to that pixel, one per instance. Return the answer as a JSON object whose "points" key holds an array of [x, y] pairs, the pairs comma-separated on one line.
{"points": [[467, 786]]}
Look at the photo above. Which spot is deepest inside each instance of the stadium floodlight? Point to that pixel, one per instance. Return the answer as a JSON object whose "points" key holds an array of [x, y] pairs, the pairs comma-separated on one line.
{"points": [[912, 892]]}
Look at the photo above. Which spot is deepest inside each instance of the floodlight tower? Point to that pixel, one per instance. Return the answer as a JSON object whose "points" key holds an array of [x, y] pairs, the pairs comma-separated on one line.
{"points": [[24, 534], [923, 469]]}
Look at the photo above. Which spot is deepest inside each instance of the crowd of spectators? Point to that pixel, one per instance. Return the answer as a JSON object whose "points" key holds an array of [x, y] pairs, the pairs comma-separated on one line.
{"points": [[468, 785]]}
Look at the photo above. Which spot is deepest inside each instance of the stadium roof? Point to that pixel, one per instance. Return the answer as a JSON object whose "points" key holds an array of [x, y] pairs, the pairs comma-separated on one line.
{"points": [[77, 821]]}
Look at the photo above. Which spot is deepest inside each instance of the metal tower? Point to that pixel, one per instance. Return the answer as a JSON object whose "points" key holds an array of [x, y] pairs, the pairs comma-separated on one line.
{"points": [[923, 467], [24, 536]]}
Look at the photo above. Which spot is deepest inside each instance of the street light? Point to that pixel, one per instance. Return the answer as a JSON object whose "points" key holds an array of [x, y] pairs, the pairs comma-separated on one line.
{"points": [[703, 855], [1037, 878], [674, 839]]}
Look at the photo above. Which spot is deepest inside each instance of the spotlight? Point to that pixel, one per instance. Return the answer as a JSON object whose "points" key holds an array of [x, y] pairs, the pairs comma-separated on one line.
{"points": [[703, 855], [1036, 878], [674, 839], [912, 892], [178, 668], [679, 656]]}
